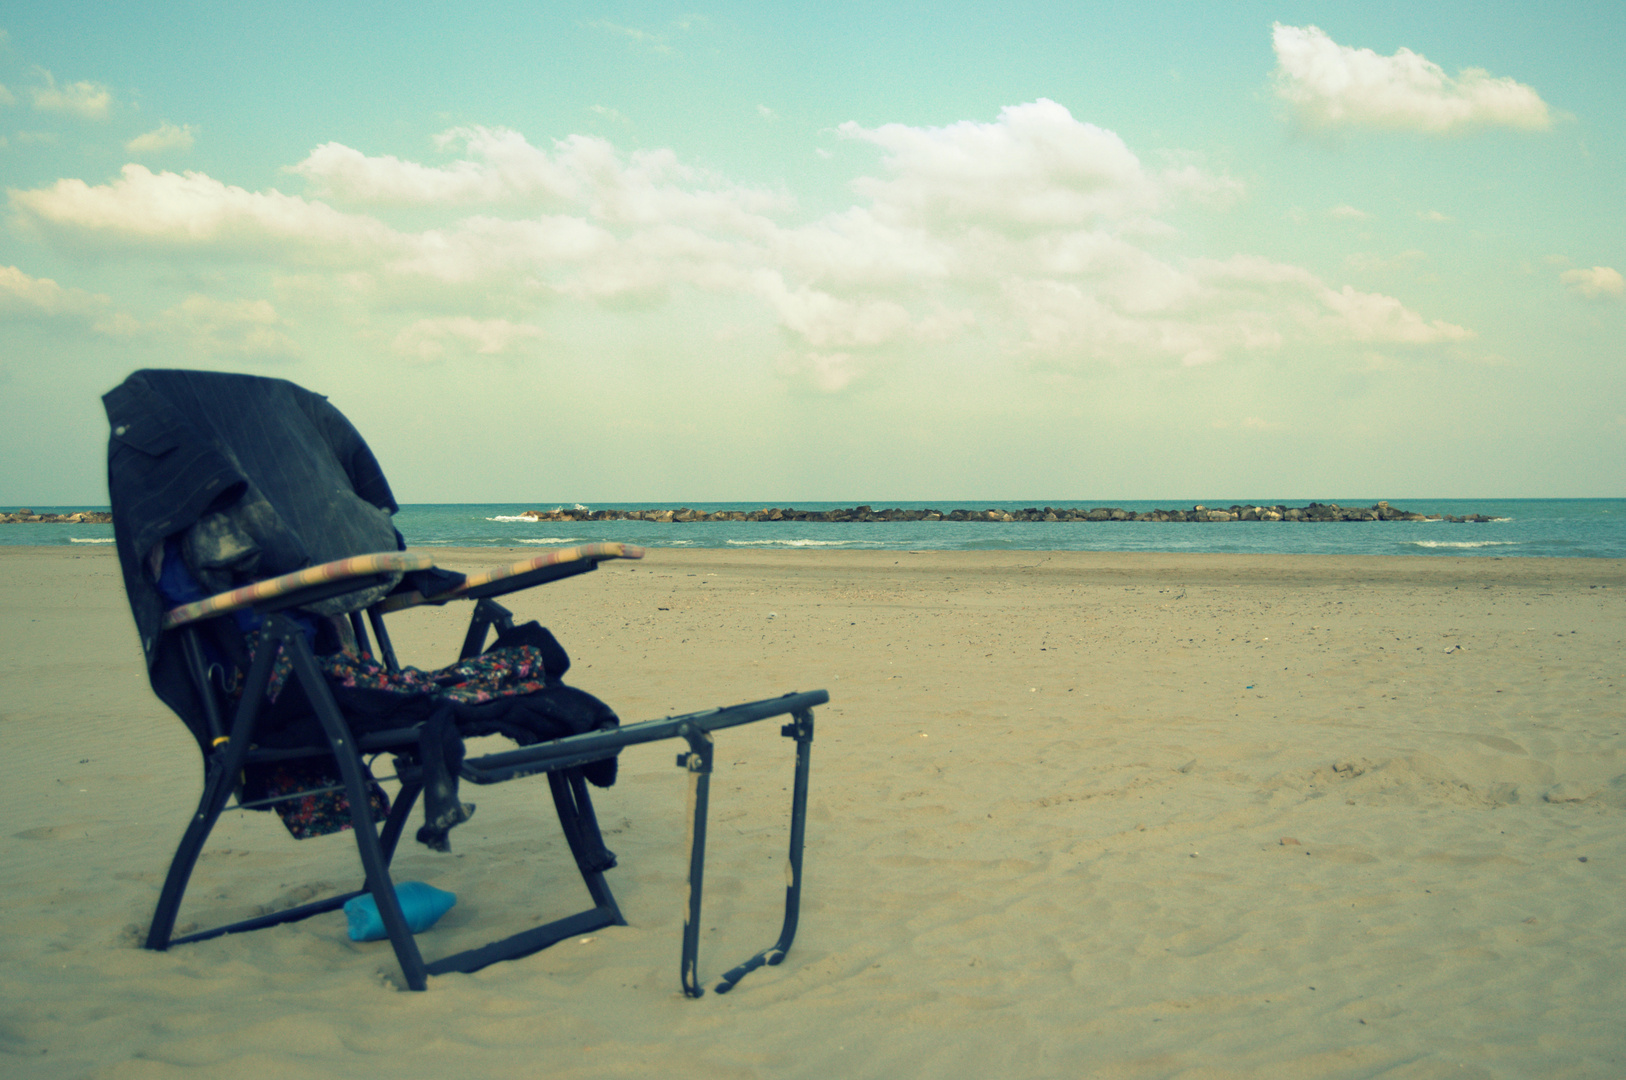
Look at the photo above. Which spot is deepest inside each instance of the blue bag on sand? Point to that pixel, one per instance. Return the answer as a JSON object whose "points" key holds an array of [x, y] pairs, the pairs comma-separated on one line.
{"points": [[423, 905]]}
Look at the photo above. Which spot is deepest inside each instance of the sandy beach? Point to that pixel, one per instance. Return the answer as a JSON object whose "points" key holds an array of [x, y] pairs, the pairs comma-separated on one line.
{"points": [[1073, 814]]}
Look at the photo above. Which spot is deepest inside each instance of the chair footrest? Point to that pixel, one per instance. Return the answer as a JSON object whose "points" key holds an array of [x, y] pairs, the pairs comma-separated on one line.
{"points": [[594, 745], [526, 942]]}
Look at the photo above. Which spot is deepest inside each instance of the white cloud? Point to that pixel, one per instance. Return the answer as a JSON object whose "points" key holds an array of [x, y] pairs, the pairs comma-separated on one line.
{"points": [[826, 372], [166, 136], [6, 96], [615, 115], [83, 99], [1330, 85], [648, 187], [21, 294], [1375, 317], [431, 339], [766, 113], [1034, 168], [208, 327], [1434, 216], [1595, 283], [500, 166], [854, 249], [1213, 309], [1345, 212], [198, 328], [1039, 234], [26, 297], [828, 322], [194, 210]]}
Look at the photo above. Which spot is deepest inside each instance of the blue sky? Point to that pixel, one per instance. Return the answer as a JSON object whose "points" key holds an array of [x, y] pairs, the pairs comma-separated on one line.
{"points": [[631, 252]]}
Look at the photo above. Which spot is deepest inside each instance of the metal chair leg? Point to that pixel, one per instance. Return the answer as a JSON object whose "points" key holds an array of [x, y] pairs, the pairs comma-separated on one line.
{"points": [[801, 729], [367, 839]]}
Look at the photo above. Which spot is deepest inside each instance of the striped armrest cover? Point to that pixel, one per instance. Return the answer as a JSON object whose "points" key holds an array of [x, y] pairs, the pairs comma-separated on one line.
{"points": [[383, 562], [584, 553]]}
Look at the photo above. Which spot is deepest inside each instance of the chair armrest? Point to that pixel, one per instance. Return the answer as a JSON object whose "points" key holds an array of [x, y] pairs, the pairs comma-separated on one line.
{"points": [[537, 570], [290, 588]]}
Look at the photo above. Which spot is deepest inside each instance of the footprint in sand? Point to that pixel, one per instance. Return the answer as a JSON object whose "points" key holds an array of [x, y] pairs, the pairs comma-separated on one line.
{"points": [[72, 831]]}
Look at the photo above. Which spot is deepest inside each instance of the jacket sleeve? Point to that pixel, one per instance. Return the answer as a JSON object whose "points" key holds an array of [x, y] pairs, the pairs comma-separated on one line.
{"points": [[352, 452]]}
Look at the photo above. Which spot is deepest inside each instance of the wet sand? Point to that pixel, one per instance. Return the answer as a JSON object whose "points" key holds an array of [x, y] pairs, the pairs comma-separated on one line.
{"points": [[1073, 814]]}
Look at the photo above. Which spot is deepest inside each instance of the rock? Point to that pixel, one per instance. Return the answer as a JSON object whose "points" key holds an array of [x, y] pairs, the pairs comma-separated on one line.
{"points": [[1381, 511]]}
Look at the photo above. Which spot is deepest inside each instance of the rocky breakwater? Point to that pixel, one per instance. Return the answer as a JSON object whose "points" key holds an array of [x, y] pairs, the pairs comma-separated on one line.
{"points": [[81, 517], [1381, 511]]}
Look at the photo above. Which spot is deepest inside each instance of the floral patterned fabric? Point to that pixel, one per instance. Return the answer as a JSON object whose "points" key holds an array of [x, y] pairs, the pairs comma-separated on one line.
{"points": [[481, 679], [512, 690], [318, 813]]}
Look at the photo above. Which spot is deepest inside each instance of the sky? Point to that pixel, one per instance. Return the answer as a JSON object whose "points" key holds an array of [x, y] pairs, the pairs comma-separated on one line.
{"points": [[644, 252]]}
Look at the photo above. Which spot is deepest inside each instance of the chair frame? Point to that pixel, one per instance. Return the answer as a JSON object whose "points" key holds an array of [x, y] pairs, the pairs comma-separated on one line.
{"points": [[561, 759]]}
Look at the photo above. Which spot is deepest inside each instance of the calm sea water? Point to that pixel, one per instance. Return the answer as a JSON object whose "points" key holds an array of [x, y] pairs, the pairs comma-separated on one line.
{"points": [[1577, 528]]}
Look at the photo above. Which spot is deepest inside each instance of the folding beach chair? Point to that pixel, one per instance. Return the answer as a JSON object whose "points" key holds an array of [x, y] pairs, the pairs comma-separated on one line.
{"points": [[253, 531]]}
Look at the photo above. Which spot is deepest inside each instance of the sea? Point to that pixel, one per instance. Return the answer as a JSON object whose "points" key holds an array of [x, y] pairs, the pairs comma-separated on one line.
{"points": [[1533, 528]]}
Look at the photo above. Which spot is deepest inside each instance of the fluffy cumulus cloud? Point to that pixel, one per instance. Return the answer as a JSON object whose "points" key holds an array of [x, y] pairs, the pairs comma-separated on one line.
{"points": [[24, 296], [1038, 234], [1597, 283], [1035, 168], [87, 100], [500, 166], [194, 210], [208, 327], [1329, 85], [165, 136]]}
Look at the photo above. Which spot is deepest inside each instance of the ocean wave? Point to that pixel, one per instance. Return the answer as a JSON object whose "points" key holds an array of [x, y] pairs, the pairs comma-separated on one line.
{"points": [[578, 508], [803, 543], [550, 539], [1460, 543], [90, 540]]}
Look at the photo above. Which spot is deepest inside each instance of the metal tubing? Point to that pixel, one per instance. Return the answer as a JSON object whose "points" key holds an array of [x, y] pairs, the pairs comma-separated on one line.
{"points": [[579, 749], [375, 617], [487, 613], [225, 764], [698, 762], [361, 817], [391, 834], [192, 650], [801, 729]]}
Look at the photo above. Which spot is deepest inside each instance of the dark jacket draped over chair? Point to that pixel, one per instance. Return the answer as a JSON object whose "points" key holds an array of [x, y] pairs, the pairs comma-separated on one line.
{"points": [[201, 458]]}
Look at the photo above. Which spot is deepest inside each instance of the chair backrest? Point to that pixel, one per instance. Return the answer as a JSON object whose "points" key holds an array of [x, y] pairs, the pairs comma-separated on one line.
{"points": [[242, 477]]}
